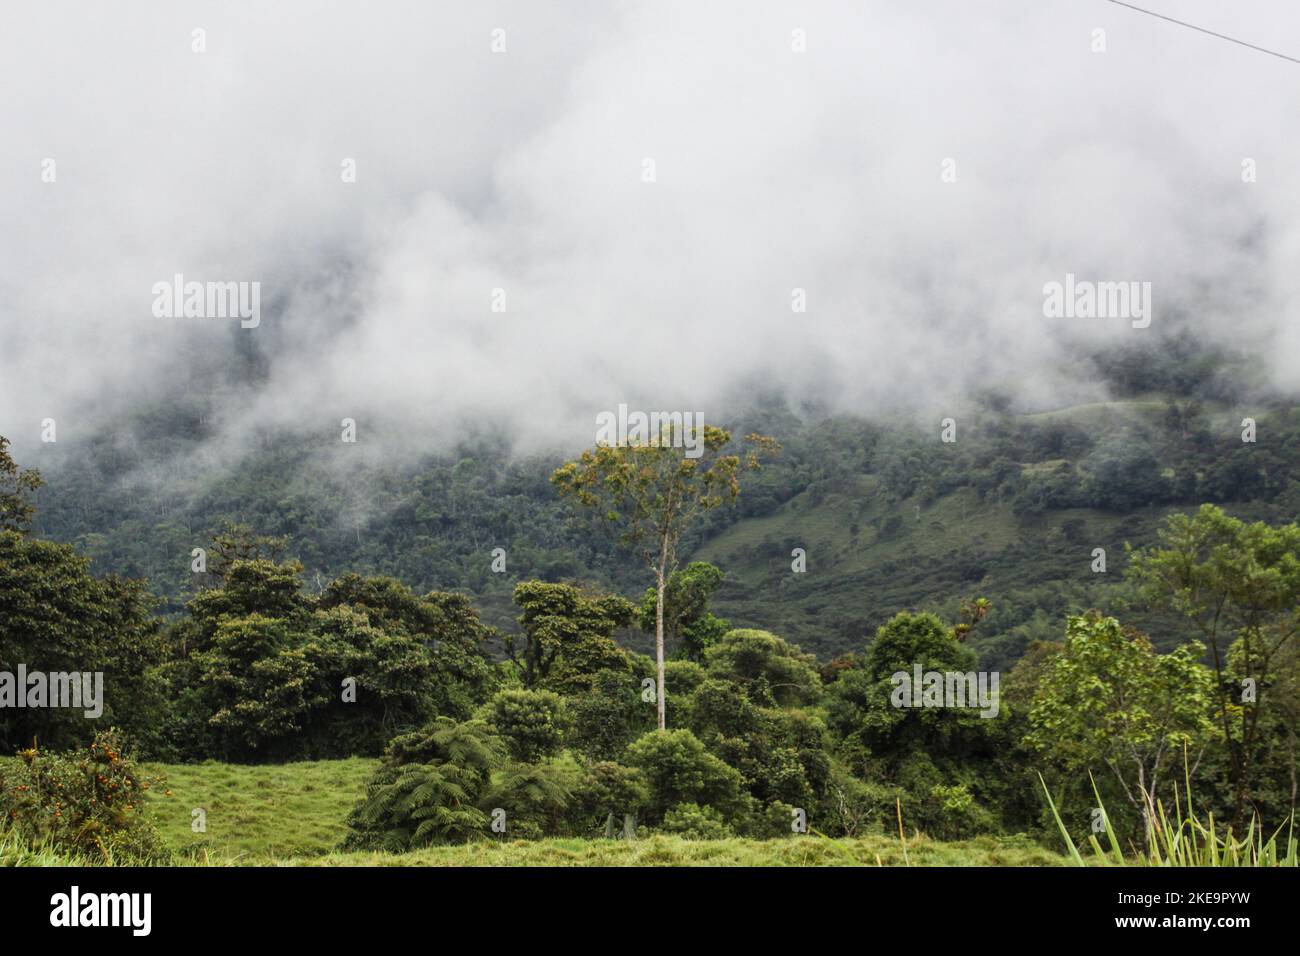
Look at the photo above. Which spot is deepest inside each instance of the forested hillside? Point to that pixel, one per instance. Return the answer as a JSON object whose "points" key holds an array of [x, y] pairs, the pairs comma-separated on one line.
{"points": [[888, 514]]}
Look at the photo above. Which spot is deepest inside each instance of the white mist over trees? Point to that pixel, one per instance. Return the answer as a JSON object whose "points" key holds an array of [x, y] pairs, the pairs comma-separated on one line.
{"points": [[824, 171]]}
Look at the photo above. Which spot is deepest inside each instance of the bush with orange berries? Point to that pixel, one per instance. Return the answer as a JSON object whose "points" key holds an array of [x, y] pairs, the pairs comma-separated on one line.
{"points": [[88, 802]]}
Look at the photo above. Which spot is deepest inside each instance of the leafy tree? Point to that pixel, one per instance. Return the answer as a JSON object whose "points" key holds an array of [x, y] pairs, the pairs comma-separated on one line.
{"points": [[16, 487], [399, 683], [235, 541], [56, 617], [782, 755], [651, 493], [678, 769], [563, 626], [257, 586], [1236, 583], [607, 716], [445, 625], [257, 684], [721, 709], [682, 677], [532, 722], [1108, 699], [771, 670], [386, 602], [687, 617], [1275, 761], [917, 748], [259, 666], [694, 822], [1125, 474], [1282, 733]]}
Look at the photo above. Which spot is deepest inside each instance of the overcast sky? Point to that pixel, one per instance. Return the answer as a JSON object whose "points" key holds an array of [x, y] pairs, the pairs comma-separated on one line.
{"points": [[524, 170]]}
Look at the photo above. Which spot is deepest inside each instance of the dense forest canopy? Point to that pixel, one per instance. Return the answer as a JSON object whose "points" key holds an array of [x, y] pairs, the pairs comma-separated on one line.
{"points": [[888, 514]]}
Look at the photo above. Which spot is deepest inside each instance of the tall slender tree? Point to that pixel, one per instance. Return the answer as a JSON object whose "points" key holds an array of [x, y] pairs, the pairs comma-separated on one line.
{"points": [[649, 492]]}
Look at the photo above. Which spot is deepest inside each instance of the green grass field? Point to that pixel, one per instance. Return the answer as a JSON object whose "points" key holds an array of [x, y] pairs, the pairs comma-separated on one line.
{"points": [[294, 815], [661, 850], [258, 812]]}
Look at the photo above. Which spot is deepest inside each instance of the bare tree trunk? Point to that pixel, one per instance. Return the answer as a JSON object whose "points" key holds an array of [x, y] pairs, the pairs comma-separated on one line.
{"points": [[659, 633]]}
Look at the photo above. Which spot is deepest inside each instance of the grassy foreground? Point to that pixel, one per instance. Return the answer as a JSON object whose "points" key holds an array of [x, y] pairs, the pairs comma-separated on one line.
{"points": [[662, 850], [293, 815], [258, 813]]}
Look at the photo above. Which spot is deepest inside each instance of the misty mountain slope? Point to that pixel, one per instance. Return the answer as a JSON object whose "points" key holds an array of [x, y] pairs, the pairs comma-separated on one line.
{"points": [[870, 553], [889, 516], [867, 559]]}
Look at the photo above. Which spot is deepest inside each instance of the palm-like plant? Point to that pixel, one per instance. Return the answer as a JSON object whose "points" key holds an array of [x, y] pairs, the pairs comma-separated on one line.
{"points": [[429, 788], [538, 794]]}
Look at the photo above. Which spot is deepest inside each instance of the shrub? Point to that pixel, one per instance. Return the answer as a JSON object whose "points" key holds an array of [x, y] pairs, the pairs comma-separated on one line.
{"points": [[531, 721], [679, 770], [88, 803], [955, 815], [683, 677], [610, 791], [776, 820], [694, 822], [857, 807]]}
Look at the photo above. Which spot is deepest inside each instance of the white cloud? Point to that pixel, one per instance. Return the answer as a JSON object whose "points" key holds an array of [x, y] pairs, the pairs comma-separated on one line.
{"points": [[522, 171]]}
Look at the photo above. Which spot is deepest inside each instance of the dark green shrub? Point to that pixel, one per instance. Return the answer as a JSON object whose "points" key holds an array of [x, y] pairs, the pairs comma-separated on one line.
{"points": [[611, 796], [679, 770], [954, 814], [531, 721], [777, 820], [609, 716]]}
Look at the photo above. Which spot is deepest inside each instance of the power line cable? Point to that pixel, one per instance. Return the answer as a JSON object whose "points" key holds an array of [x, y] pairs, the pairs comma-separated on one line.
{"points": [[1192, 26]]}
